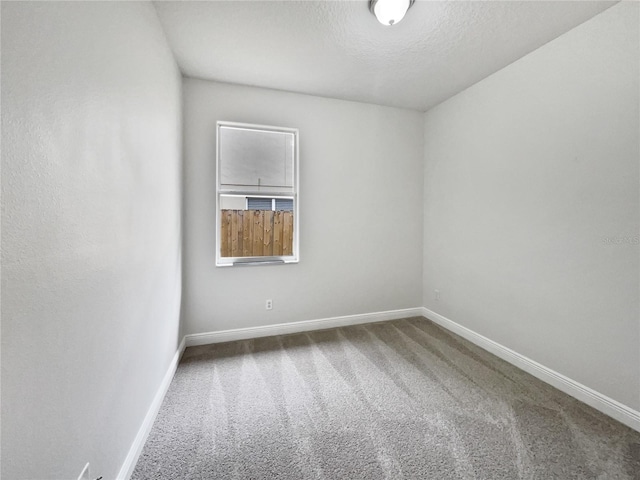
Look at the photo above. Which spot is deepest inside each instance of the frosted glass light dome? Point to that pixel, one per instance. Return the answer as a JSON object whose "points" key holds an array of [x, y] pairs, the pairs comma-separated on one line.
{"points": [[389, 12]]}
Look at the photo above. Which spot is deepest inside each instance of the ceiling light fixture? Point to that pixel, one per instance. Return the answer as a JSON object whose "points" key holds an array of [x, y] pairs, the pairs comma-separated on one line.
{"points": [[389, 12]]}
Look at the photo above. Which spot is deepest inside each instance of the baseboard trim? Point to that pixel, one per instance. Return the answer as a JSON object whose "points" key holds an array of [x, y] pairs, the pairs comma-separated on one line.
{"points": [[297, 327], [240, 334], [597, 400], [136, 448]]}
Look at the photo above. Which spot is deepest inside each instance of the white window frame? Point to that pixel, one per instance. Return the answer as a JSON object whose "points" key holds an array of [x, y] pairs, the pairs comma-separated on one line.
{"points": [[263, 260]]}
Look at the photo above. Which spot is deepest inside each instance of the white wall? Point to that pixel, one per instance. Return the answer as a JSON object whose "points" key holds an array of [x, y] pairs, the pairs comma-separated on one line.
{"points": [[360, 201], [233, 203], [91, 231], [527, 175]]}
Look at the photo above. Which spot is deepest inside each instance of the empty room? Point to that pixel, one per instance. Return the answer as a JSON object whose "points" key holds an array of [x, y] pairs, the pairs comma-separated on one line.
{"points": [[354, 239]]}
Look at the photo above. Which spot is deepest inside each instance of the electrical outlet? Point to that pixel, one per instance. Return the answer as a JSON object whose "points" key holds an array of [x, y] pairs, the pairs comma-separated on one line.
{"points": [[84, 475], [269, 304], [437, 294]]}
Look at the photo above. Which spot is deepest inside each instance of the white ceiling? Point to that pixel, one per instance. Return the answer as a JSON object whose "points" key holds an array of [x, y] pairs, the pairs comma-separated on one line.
{"points": [[338, 49]]}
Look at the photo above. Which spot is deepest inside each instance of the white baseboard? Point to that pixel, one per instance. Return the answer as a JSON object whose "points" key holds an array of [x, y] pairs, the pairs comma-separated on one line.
{"points": [[604, 404], [597, 400], [296, 327], [136, 448], [240, 334]]}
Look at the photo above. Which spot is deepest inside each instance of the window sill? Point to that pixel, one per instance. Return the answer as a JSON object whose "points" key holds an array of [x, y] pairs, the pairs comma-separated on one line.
{"points": [[255, 262]]}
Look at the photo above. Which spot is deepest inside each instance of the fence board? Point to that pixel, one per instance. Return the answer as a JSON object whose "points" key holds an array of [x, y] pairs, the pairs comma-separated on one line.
{"points": [[247, 238], [287, 223], [256, 233], [224, 247], [225, 231], [234, 235], [267, 238], [277, 233], [240, 233]]}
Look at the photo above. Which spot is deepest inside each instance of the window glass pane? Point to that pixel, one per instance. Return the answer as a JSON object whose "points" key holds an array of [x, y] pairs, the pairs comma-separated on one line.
{"points": [[256, 158], [250, 228], [285, 204], [257, 193], [257, 203]]}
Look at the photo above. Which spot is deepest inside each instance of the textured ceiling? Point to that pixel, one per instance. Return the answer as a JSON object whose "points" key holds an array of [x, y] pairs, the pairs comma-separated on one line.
{"points": [[338, 49]]}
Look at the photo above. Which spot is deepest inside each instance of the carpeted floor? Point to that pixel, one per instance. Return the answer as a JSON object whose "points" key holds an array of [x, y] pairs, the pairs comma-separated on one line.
{"points": [[399, 399]]}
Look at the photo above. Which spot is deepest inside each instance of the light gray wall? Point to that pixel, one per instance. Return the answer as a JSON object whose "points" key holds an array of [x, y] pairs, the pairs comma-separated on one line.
{"points": [[233, 203], [91, 231], [360, 210], [531, 217]]}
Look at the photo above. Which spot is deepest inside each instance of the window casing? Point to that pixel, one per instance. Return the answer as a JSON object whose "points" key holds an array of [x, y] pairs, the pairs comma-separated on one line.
{"points": [[257, 177]]}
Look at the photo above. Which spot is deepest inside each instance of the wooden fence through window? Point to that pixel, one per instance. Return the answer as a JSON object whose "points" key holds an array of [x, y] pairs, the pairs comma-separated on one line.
{"points": [[256, 233]]}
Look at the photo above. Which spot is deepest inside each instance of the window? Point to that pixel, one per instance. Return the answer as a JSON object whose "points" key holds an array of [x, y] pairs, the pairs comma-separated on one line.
{"points": [[258, 203], [263, 203], [284, 204], [257, 194]]}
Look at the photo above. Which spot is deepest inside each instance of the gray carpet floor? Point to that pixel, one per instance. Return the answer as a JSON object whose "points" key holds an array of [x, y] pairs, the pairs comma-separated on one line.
{"points": [[392, 400]]}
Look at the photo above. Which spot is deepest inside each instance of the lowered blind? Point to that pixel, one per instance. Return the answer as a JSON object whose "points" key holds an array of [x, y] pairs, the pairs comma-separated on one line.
{"points": [[258, 203], [285, 204]]}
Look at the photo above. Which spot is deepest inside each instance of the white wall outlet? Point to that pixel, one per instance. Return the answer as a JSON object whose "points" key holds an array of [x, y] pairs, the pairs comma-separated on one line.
{"points": [[269, 304], [84, 475], [437, 294]]}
